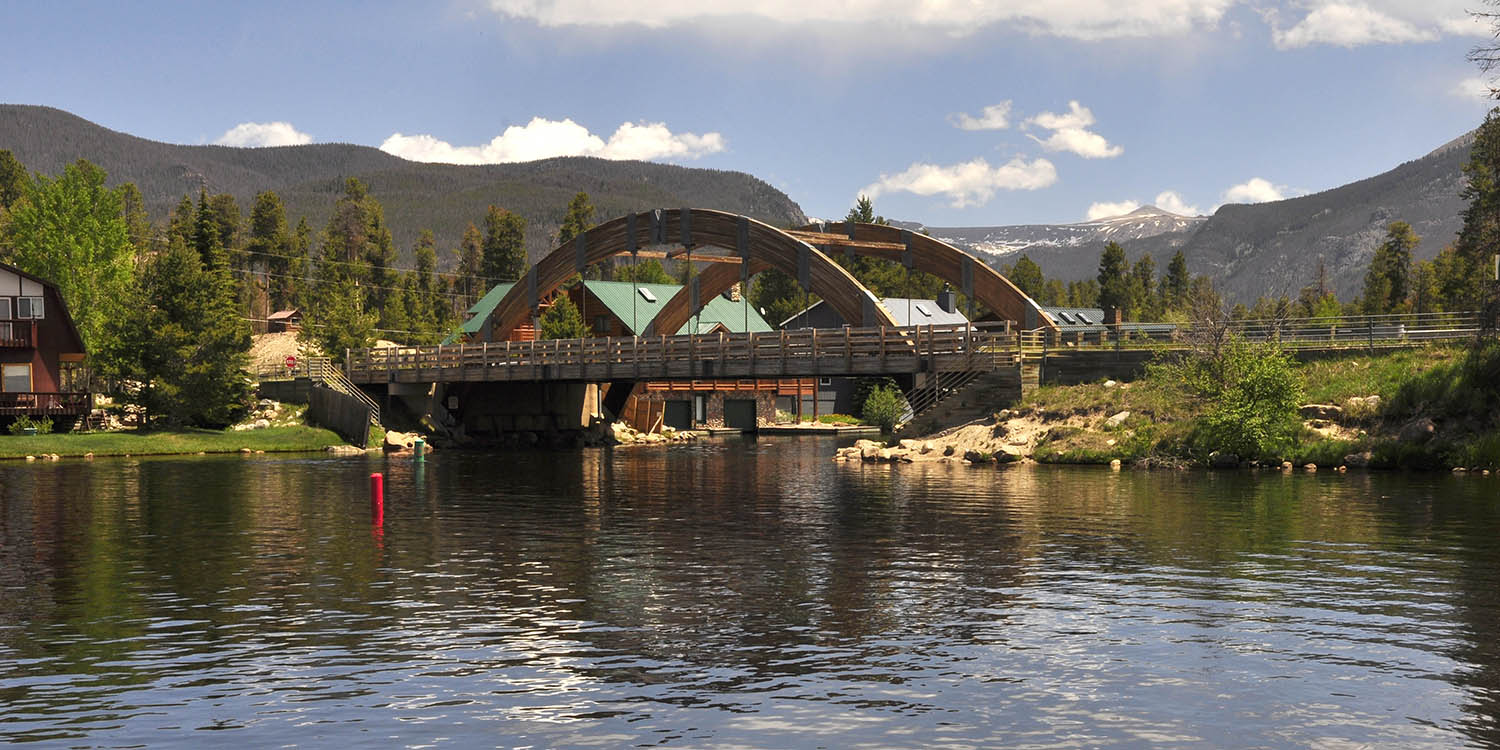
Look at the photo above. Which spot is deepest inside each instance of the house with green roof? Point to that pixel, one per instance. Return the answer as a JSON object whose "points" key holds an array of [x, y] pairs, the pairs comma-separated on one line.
{"points": [[623, 308]]}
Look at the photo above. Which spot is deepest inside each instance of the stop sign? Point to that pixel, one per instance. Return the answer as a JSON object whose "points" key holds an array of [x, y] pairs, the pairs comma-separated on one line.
{"points": [[291, 362]]}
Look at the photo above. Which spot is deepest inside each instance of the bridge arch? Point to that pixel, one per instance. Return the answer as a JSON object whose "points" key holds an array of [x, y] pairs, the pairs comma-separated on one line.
{"points": [[759, 246], [966, 273]]}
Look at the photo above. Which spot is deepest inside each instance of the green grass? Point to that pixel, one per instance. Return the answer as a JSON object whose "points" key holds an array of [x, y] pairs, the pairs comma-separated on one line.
{"points": [[839, 419], [1336, 379], [169, 442]]}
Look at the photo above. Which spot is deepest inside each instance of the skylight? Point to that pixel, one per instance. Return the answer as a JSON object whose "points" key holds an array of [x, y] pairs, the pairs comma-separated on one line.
{"points": [[646, 294], [1067, 318], [922, 310], [1084, 318]]}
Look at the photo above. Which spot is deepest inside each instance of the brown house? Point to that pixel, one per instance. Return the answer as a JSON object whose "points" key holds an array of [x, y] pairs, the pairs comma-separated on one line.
{"points": [[283, 321], [41, 353]]}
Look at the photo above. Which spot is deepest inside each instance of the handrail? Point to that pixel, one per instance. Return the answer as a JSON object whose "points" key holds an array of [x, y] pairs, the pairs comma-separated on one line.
{"points": [[1369, 331]]}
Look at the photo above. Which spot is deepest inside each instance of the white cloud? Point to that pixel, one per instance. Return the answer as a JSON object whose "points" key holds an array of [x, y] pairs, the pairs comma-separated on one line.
{"points": [[1107, 209], [1254, 190], [543, 139], [967, 184], [1350, 25], [1473, 87], [1078, 19], [1172, 201], [258, 134], [993, 117], [1070, 133]]}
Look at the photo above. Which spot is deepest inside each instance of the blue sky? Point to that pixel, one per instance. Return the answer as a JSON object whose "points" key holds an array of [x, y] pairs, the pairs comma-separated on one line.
{"points": [[949, 112]]}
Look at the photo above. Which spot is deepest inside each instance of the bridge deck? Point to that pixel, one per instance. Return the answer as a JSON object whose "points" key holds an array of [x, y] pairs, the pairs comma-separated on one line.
{"points": [[846, 351]]}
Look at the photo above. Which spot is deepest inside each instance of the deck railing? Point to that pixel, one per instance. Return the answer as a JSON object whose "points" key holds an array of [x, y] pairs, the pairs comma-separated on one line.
{"points": [[1362, 331], [844, 351], [67, 404]]}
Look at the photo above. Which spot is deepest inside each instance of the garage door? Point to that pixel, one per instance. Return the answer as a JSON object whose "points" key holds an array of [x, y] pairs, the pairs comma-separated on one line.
{"points": [[739, 413], [678, 414]]}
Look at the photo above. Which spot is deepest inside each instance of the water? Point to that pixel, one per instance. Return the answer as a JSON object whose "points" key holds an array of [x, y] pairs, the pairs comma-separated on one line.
{"points": [[742, 594]]}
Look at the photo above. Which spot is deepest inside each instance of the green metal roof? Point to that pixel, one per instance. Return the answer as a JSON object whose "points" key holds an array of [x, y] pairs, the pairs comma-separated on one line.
{"points": [[626, 302]]}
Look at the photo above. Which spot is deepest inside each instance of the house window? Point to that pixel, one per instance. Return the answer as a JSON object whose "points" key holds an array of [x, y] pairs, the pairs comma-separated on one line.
{"points": [[29, 307], [16, 378], [4, 308], [601, 324], [825, 381], [6, 332], [700, 409]]}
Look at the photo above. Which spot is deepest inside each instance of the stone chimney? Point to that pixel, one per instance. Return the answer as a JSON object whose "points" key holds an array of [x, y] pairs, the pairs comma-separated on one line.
{"points": [[947, 300], [733, 293]]}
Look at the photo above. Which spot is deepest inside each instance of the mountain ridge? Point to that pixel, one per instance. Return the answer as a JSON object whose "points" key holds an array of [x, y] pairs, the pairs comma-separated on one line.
{"points": [[416, 195]]}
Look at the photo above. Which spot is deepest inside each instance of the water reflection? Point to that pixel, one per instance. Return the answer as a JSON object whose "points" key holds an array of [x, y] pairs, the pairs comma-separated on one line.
{"points": [[743, 593]]}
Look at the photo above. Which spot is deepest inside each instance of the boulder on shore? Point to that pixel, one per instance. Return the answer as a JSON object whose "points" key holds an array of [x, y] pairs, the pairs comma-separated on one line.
{"points": [[1321, 411], [1417, 431], [1223, 460]]}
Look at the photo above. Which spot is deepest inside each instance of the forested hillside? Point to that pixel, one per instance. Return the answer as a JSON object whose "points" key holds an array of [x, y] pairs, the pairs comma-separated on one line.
{"points": [[442, 197]]}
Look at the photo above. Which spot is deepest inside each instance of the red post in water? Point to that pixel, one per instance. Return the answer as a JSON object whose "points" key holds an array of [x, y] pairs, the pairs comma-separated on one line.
{"points": [[377, 499]]}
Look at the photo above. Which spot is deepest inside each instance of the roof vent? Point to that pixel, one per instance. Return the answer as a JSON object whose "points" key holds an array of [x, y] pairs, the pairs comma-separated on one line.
{"points": [[646, 294]]}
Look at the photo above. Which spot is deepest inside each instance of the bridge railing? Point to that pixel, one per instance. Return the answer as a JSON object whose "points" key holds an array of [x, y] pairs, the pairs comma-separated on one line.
{"points": [[803, 351], [1369, 331]]}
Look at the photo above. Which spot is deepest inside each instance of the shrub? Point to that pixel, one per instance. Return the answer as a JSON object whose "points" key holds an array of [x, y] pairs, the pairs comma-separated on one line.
{"points": [[883, 408], [43, 426], [1252, 391]]}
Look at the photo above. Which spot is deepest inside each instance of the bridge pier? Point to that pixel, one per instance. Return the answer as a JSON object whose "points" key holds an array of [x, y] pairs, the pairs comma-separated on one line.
{"points": [[501, 412]]}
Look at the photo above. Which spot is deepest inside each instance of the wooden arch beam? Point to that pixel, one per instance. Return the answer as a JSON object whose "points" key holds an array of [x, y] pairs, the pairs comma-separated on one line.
{"points": [[752, 240], [963, 271]]}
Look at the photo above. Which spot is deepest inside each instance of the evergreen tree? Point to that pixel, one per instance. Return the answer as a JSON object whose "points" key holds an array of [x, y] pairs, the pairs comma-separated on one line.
{"points": [[1114, 289], [1054, 293], [885, 278], [181, 221], [1424, 288], [578, 219], [338, 321], [648, 271], [1174, 285], [1027, 276], [1083, 293], [14, 181], [1388, 280], [137, 221], [1144, 302], [71, 231], [777, 295], [270, 247], [504, 246], [183, 347], [1465, 272], [470, 282], [562, 321]]}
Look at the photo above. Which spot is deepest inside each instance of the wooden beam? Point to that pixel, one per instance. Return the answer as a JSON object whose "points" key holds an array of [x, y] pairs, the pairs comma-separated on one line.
{"points": [[679, 254], [842, 240]]}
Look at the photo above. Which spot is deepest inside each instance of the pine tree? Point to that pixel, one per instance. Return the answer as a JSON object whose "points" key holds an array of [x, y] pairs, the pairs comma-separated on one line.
{"points": [[1174, 285], [14, 180], [183, 345], [578, 219], [562, 321], [1114, 289], [269, 247], [1388, 280], [1144, 302], [504, 245], [1465, 273], [137, 221], [471, 285], [648, 271], [1027, 276], [777, 295]]}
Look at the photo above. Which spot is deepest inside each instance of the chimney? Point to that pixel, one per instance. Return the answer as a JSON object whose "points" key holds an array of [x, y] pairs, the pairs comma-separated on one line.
{"points": [[947, 300], [733, 293], [1114, 316]]}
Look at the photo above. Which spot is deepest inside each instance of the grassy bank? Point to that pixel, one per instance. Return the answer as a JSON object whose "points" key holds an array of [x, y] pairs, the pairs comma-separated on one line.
{"points": [[1456, 392], [170, 442]]}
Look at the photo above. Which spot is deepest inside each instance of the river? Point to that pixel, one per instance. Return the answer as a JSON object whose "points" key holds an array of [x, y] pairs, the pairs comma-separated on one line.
{"points": [[742, 593]]}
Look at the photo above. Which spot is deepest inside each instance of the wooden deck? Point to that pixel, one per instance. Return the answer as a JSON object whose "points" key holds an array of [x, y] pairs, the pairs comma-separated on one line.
{"points": [[809, 352]]}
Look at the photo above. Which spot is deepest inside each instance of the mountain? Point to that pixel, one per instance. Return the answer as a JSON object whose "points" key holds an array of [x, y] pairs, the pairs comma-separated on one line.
{"points": [[1263, 248], [416, 196], [999, 242]]}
